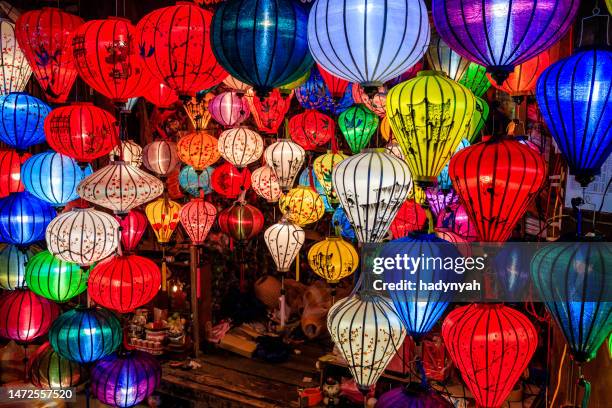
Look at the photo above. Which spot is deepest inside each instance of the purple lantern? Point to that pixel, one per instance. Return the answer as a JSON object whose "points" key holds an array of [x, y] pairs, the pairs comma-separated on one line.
{"points": [[412, 396], [456, 219], [440, 200], [229, 109], [500, 34]]}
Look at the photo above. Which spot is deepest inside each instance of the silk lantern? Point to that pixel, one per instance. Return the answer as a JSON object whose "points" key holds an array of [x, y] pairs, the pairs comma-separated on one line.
{"points": [[522, 80], [198, 149], [284, 241], [175, 44], [237, 86], [371, 186], [311, 129], [128, 151], [197, 218], [268, 34], [25, 315], [333, 259], [501, 180], [269, 112], [15, 71], [302, 205], [159, 93], [314, 94], [10, 171], [132, 228], [336, 86], [323, 167], [475, 79], [458, 221], [309, 179], [83, 236], [442, 58], [241, 221], [49, 370], [502, 34], [265, 184], [491, 346], [410, 217], [192, 182], [81, 131], [22, 117], [359, 40], [429, 115], [197, 110], [579, 84], [286, 159], [163, 215], [23, 219], [161, 157], [12, 266], [230, 181], [84, 335], [54, 279], [240, 146], [229, 109], [45, 37], [376, 101], [358, 124]]}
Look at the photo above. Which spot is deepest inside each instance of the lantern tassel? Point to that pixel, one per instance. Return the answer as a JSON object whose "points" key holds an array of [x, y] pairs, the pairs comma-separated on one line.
{"points": [[582, 382], [281, 299]]}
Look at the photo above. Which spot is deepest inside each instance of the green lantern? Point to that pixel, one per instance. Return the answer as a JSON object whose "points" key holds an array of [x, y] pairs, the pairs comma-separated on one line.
{"points": [[479, 117], [55, 279], [610, 346], [475, 79], [12, 267], [358, 124]]}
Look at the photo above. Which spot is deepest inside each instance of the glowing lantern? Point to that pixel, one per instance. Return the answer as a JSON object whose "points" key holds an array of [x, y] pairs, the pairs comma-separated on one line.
{"points": [[444, 181], [15, 71], [412, 396], [197, 110], [375, 102], [335, 85], [197, 218], [240, 146], [443, 59], [128, 151], [23, 218], [22, 117], [491, 346], [314, 94], [323, 167], [12, 267], [132, 228], [236, 85], [49, 370], [475, 79], [286, 159], [265, 184], [10, 171], [456, 219], [175, 44], [54, 279], [302, 205], [83, 236], [341, 222], [198, 149], [479, 118], [522, 81], [45, 37], [374, 27], [163, 215], [229, 181], [284, 240], [372, 186], [159, 93], [193, 183], [25, 315], [309, 179], [269, 112], [333, 259], [439, 200], [229, 109], [160, 157], [410, 217], [358, 124], [311, 129], [241, 221]]}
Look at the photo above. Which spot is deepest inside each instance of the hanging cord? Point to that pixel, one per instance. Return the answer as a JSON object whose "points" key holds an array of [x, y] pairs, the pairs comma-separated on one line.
{"points": [[554, 397]]}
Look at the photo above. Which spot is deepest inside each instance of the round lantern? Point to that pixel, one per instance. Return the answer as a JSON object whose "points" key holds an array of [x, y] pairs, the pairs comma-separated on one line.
{"points": [[197, 110], [237, 86], [341, 222], [265, 184], [491, 346], [444, 181], [311, 129], [23, 218], [10, 170], [83, 236], [241, 221], [358, 124], [85, 335], [323, 166], [192, 182], [159, 93], [22, 117], [479, 118], [286, 159], [160, 157], [314, 94], [284, 241], [585, 136], [175, 44], [54, 279], [15, 71], [336, 86], [81, 131], [410, 217], [522, 81], [197, 217], [240, 146], [229, 181], [163, 215], [371, 186], [429, 115], [229, 109], [269, 112], [375, 102], [25, 315], [333, 259], [502, 34], [53, 177], [412, 396], [132, 228], [120, 187], [45, 37], [12, 267], [475, 79], [359, 40], [128, 151], [502, 177], [302, 205], [49, 370], [124, 282], [198, 149], [268, 34], [443, 59]]}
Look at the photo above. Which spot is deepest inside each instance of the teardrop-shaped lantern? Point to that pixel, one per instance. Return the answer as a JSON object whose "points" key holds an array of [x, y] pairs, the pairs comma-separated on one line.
{"points": [[12, 267], [49, 370], [284, 240], [197, 218], [269, 112], [302, 205], [24, 218], [522, 81], [15, 71], [193, 183], [475, 79], [265, 184], [128, 151], [160, 156], [286, 159], [241, 146], [358, 124], [25, 315], [323, 167], [229, 109], [311, 129], [444, 59], [10, 170], [55, 279], [241, 221], [229, 181], [132, 227], [163, 215], [333, 259], [22, 117], [410, 217], [198, 149]]}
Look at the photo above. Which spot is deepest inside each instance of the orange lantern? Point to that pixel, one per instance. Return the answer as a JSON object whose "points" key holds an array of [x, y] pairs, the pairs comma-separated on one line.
{"points": [[198, 149], [522, 80]]}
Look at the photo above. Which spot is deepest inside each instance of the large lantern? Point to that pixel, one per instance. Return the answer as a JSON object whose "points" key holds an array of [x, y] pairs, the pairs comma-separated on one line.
{"points": [[81, 131], [120, 187], [229, 109], [475, 79], [163, 215], [268, 34], [23, 218], [302, 205], [359, 40], [197, 218], [284, 240], [241, 221], [269, 112], [579, 84], [12, 267], [240, 146], [160, 157], [502, 177], [323, 167], [443, 59], [25, 315], [54, 279], [285, 158], [502, 34], [311, 129], [198, 149], [132, 228], [410, 217], [429, 115], [175, 44], [229, 181], [15, 71], [333, 259], [371, 186], [128, 151], [49, 370], [522, 81], [44, 36], [22, 117], [83, 236], [358, 124], [193, 183], [265, 184], [10, 171], [491, 346], [85, 335], [159, 93]]}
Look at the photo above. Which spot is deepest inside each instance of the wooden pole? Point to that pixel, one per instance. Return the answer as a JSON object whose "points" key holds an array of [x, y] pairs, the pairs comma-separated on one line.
{"points": [[195, 320]]}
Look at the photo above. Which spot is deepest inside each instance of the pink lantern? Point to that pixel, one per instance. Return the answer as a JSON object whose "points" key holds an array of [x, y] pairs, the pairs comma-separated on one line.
{"points": [[197, 217], [265, 184], [133, 227], [456, 219], [229, 109]]}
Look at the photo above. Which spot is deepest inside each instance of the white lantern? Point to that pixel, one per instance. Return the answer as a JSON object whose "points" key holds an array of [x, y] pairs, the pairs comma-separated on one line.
{"points": [[160, 157], [128, 151], [284, 240], [240, 146], [265, 184], [120, 187], [286, 159], [83, 236], [15, 71], [442, 58], [372, 186]]}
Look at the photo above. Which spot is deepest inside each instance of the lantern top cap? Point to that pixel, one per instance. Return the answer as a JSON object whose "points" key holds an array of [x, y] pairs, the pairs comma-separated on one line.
{"points": [[374, 150], [431, 73], [119, 18]]}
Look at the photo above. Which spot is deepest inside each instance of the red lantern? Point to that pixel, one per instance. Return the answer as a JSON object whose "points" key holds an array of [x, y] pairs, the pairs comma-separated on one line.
{"points": [[336, 86], [172, 184], [491, 346], [229, 181], [197, 217], [175, 44], [522, 80], [410, 217], [44, 36], [124, 282], [496, 179], [10, 171], [311, 129], [25, 315], [133, 227], [159, 93], [106, 57], [241, 221], [270, 111], [81, 131]]}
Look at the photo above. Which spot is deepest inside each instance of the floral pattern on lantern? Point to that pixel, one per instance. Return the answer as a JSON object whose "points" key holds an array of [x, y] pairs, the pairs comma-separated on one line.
{"points": [[54, 279], [229, 109], [323, 167], [475, 79], [163, 215], [197, 110], [375, 102], [24, 315], [160, 156], [198, 149], [241, 146], [302, 205], [229, 181], [333, 259], [269, 112], [286, 159], [284, 240], [358, 124], [311, 129], [15, 71], [197, 218], [265, 184]]}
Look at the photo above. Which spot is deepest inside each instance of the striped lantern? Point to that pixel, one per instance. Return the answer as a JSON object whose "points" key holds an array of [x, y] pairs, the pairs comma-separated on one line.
{"points": [[12, 266], [240, 146], [49, 370], [55, 279], [10, 171], [286, 159], [229, 109], [161, 157], [197, 218], [24, 315], [284, 240], [241, 221], [15, 70]]}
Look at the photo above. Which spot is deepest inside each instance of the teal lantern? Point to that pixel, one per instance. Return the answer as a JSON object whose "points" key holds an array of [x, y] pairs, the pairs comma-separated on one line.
{"points": [[12, 267], [192, 182], [24, 219], [55, 279], [358, 124], [22, 119]]}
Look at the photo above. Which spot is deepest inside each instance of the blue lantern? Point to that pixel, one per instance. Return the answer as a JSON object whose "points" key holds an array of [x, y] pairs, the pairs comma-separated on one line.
{"points": [[305, 181], [23, 118], [191, 182], [12, 267], [575, 96], [511, 267], [261, 42], [53, 177], [313, 94], [340, 220], [24, 218], [444, 181]]}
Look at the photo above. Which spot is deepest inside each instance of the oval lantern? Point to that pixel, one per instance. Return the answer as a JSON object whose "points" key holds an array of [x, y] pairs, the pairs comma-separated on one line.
{"points": [[265, 184], [442, 58], [475, 79], [23, 118], [132, 228], [15, 71], [241, 221], [159, 93], [229, 181], [522, 80], [23, 218], [197, 218], [25, 315], [229, 109], [160, 156], [49, 370], [240, 146], [333, 259], [10, 171], [410, 217], [193, 183], [128, 151], [491, 345], [284, 240], [198, 149], [323, 167], [302, 205], [163, 215], [12, 267], [311, 129], [54, 279], [286, 159], [45, 37], [269, 112], [358, 124]]}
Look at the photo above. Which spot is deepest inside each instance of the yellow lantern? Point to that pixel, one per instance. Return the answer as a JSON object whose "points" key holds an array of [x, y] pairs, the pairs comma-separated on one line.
{"points": [[302, 205], [287, 88], [429, 115], [323, 166], [333, 259], [163, 215], [197, 111]]}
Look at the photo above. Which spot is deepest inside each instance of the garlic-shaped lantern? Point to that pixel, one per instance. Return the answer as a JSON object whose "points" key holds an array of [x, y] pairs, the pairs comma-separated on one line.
{"points": [[240, 146], [302, 205], [286, 159], [284, 240], [265, 184], [161, 157]]}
